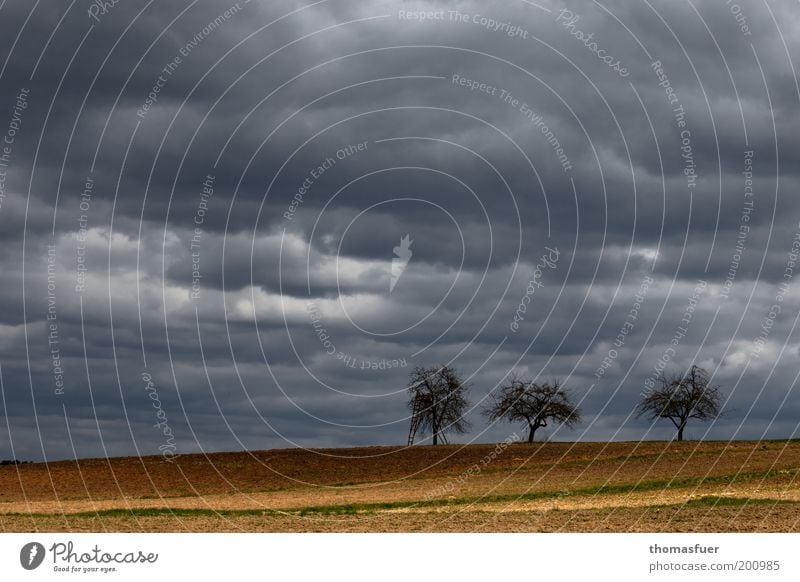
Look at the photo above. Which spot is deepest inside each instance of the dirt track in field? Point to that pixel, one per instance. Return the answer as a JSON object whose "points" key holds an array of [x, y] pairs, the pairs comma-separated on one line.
{"points": [[650, 486]]}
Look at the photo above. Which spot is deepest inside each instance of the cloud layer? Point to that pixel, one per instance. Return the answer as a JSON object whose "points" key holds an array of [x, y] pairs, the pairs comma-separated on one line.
{"points": [[202, 206]]}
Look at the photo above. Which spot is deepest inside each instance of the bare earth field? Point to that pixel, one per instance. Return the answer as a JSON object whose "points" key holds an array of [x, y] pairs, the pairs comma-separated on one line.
{"points": [[585, 487]]}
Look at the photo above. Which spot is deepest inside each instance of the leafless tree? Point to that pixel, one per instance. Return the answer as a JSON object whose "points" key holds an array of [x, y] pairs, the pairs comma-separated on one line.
{"points": [[438, 403], [681, 398], [534, 404]]}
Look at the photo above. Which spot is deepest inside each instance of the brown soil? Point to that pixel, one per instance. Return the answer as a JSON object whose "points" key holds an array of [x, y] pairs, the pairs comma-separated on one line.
{"points": [[650, 486]]}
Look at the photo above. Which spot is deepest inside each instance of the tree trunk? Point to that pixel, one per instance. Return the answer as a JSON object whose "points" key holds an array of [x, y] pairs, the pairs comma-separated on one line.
{"points": [[680, 431], [435, 437], [531, 432]]}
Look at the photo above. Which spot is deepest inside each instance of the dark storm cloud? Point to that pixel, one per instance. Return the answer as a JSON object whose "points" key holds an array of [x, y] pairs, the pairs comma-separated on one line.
{"points": [[260, 297]]}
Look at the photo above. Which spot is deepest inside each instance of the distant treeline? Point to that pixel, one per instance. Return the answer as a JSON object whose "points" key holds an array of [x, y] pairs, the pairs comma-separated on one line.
{"points": [[439, 402]]}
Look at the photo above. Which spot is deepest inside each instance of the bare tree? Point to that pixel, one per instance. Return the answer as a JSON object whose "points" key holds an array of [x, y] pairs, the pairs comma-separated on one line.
{"points": [[438, 402], [681, 398], [534, 404]]}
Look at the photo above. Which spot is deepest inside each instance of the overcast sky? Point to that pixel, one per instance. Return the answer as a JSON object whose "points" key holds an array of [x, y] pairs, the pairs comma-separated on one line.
{"points": [[203, 207]]}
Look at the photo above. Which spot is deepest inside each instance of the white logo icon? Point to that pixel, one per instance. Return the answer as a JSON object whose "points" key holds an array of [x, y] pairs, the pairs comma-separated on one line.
{"points": [[403, 255]]}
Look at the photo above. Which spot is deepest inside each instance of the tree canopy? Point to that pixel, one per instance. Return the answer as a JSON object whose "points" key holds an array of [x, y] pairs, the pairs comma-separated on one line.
{"points": [[533, 404], [438, 403], [680, 398]]}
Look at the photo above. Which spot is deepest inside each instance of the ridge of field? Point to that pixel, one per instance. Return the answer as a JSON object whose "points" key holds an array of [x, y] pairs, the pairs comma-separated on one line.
{"points": [[716, 486]]}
